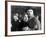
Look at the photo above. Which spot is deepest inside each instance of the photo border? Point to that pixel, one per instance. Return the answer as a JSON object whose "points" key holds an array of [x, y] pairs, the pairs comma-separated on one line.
{"points": [[6, 18]]}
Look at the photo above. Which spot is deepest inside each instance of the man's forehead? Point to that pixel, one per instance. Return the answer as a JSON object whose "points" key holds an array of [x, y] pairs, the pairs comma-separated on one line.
{"points": [[30, 10]]}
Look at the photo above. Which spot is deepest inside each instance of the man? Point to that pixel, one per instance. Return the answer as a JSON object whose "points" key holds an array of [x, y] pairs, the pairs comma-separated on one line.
{"points": [[34, 23]]}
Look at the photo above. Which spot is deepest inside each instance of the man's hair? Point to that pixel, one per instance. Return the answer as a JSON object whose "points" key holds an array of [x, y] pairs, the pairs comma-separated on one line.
{"points": [[34, 10]]}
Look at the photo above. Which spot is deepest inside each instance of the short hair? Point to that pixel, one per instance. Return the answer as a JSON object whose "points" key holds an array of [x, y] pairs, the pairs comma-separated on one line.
{"points": [[34, 11], [30, 11]]}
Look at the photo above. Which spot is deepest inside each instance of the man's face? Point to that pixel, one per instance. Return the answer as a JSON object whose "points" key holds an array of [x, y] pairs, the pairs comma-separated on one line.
{"points": [[30, 12]]}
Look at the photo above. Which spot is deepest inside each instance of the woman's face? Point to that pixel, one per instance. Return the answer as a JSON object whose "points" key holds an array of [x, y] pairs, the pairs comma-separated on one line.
{"points": [[25, 18]]}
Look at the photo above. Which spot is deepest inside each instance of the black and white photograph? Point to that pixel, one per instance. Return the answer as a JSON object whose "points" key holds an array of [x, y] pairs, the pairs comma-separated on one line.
{"points": [[25, 18]]}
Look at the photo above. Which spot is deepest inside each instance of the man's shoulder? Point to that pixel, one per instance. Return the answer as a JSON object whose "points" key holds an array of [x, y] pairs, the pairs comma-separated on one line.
{"points": [[32, 19]]}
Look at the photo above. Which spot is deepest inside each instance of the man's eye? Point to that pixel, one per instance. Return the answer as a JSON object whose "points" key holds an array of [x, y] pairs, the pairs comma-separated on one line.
{"points": [[29, 11]]}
